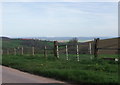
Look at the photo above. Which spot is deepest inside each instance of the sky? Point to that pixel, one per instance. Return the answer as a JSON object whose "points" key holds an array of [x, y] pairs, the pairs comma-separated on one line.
{"points": [[59, 19], [59, 0]]}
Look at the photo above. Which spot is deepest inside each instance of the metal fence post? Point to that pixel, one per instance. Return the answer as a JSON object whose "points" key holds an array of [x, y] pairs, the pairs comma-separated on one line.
{"points": [[78, 53], [66, 52], [45, 52], [22, 50], [90, 49]]}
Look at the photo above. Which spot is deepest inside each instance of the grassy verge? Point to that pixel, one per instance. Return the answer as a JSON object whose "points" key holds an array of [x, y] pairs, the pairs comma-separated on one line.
{"points": [[85, 71]]}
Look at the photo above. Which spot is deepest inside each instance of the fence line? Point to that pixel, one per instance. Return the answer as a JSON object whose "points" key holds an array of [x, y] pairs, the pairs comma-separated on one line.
{"points": [[96, 48], [92, 48]]}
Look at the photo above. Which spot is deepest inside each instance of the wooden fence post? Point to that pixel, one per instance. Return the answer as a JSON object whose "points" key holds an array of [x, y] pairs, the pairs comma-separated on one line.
{"points": [[56, 51], [22, 50], [33, 51], [78, 53], [66, 52], [95, 47], [45, 52], [15, 51]]}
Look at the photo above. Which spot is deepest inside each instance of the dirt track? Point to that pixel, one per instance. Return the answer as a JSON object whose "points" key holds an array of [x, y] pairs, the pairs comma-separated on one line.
{"points": [[10, 75]]}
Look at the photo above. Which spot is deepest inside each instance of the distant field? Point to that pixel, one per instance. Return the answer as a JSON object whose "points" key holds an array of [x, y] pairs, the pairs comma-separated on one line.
{"points": [[85, 71], [14, 43], [11, 43]]}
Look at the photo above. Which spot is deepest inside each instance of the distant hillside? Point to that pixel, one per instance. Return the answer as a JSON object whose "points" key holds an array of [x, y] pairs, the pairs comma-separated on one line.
{"points": [[4, 38], [64, 38], [14, 43]]}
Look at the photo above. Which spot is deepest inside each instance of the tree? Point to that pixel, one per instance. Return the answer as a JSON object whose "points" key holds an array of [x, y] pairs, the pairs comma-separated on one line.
{"points": [[72, 45], [73, 41]]}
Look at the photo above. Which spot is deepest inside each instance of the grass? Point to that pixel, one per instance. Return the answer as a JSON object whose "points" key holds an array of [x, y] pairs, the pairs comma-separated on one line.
{"points": [[14, 43], [11, 43], [86, 71], [110, 56]]}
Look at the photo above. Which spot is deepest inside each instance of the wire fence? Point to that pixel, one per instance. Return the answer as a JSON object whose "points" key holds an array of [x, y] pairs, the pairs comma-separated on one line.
{"points": [[69, 51]]}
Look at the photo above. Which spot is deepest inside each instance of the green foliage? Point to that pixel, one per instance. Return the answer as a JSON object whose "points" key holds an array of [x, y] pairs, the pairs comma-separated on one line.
{"points": [[11, 43]]}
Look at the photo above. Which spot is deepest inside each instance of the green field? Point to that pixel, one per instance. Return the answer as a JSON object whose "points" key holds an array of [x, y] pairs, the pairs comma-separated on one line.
{"points": [[95, 71]]}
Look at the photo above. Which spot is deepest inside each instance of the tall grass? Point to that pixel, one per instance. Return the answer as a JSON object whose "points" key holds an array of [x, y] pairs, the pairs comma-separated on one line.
{"points": [[85, 71]]}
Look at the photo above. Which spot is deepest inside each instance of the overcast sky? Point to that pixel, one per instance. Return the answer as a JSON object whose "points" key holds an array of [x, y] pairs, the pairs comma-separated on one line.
{"points": [[60, 19]]}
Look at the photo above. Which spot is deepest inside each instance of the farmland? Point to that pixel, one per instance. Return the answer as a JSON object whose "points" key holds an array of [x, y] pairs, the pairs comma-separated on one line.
{"points": [[86, 71]]}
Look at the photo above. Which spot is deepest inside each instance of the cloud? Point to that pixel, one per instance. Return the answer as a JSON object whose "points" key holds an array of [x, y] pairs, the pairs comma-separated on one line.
{"points": [[74, 18]]}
